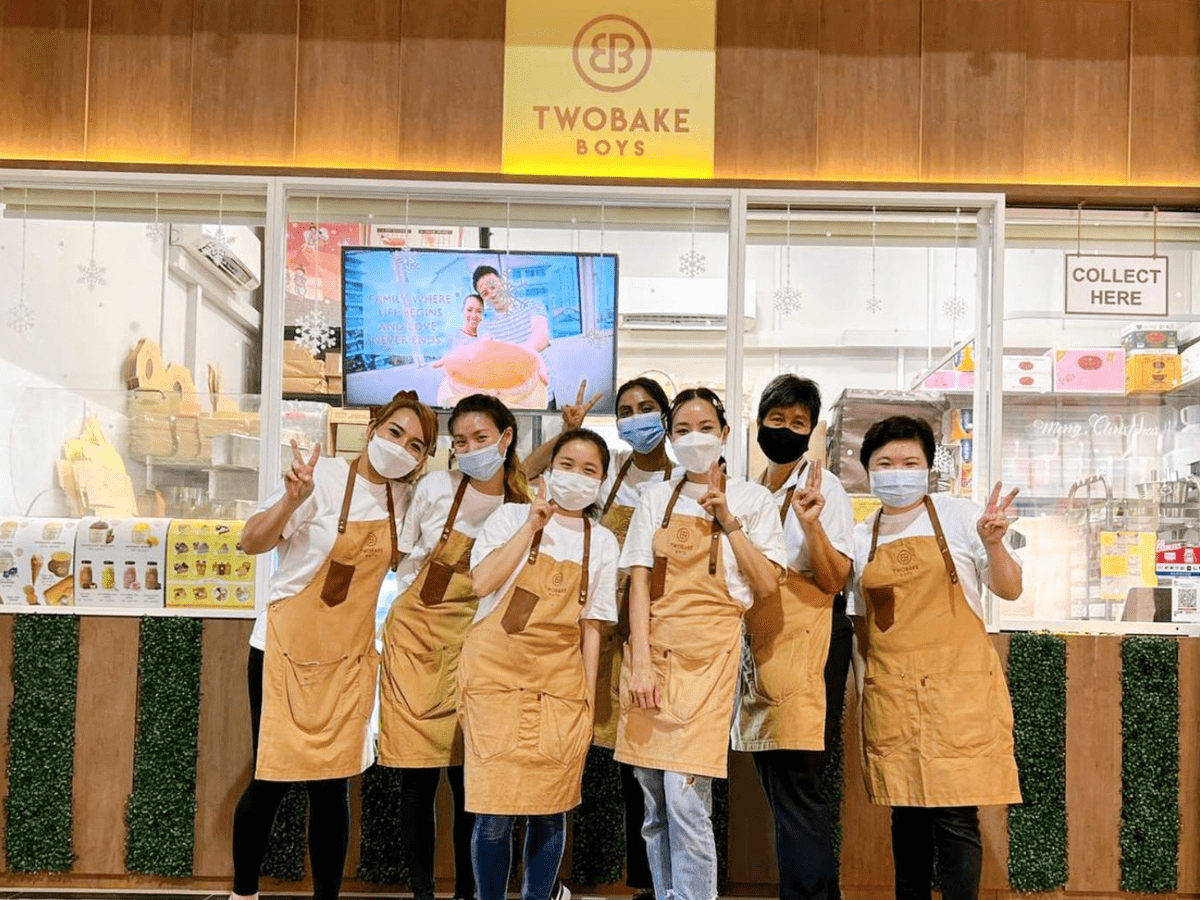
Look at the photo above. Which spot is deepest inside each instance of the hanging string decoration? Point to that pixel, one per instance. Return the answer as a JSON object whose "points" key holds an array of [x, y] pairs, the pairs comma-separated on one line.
{"points": [[404, 261], [313, 331], [155, 230], [787, 298], [597, 336], [20, 316], [874, 302], [218, 245], [693, 262], [509, 285], [954, 307], [92, 273]]}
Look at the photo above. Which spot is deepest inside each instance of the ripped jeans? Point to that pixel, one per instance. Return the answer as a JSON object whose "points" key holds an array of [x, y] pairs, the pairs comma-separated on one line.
{"points": [[679, 834]]}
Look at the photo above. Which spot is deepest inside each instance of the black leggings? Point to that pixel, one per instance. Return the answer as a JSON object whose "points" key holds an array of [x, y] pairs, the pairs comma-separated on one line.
{"points": [[328, 815], [418, 829]]}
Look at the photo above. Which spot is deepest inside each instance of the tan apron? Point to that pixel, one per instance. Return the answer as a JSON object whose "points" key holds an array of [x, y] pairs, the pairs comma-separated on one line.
{"points": [[695, 636], [936, 718], [422, 639], [524, 706], [320, 665], [616, 519], [781, 695]]}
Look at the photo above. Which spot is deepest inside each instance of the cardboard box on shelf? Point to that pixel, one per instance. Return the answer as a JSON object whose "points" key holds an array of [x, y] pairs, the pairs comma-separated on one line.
{"points": [[1156, 338], [1152, 373], [307, 385], [333, 363], [1027, 382], [1098, 370], [1190, 362]]}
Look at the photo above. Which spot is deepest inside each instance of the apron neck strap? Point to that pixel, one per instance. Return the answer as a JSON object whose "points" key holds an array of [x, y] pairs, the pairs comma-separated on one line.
{"points": [[533, 548], [714, 530], [938, 534], [450, 519], [587, 551], [666, 519], [791, 491], [348, 495], [612, 495]]}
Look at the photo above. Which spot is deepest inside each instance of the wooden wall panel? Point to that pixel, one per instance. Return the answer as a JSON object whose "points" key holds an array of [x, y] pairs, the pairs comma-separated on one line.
{"points": [[866, 863], [750, 862], [993, 820], [767, 88], [224, 765], [244, 81], [1093, 763], [348, 88], [1164, 124], [105, 728], [452, 85], [139, 81], [1077, 91], [870, 86], [973, 90], [43, 78], [1189, 767], [6, 697]]}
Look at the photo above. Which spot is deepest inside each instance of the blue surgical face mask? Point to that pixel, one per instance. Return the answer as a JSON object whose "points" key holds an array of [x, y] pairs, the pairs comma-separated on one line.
{"points": [[481, 464], [642, 432], [898, 488]]}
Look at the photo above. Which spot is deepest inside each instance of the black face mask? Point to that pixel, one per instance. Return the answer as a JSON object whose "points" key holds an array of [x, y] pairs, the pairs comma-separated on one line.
{"points": [[782, 445]]}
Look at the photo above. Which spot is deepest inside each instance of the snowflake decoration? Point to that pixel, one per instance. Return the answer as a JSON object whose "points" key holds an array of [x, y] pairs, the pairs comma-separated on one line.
{"points": [[404, 262], [155, 231], [787, 299], [20, 318], [92, 274], [943, 460], [506, 291], [314, 333], [218, 246], [954, 308], [874, 305], [599, 338], [692, 263]]}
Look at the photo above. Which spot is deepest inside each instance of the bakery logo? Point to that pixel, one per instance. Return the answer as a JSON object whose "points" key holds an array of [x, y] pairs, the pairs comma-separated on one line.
{"points": [[904, 558], [683, 535], [371, 540], [612, 53], [557, 579]]}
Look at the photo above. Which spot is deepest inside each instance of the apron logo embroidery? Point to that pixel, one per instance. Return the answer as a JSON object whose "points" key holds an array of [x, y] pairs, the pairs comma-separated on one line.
{"points": [[371, 540], [557, 579], [904, 557]]}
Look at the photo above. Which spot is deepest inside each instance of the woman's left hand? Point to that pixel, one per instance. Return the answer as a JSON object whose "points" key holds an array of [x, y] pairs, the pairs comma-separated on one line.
{"points": [[808, 501], [714, 501], [993, 524]]}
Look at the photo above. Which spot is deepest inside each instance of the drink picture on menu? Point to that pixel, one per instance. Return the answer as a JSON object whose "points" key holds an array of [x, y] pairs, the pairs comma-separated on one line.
{"points": [[526, 328]]}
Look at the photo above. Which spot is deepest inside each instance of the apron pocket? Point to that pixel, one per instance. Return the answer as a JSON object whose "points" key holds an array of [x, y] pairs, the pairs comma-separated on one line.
{"points": [[337, 583], [781, 665], [883, 605], [962, 717], [320, 694], [437, 579], [564, 729], [423, 680], [691, 681], [888, 710], [658, 577], [490, 721], [520, 608]]}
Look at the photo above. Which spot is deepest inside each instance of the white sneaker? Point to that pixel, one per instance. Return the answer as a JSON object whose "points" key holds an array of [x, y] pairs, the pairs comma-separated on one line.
{"points": [[563, 893]]}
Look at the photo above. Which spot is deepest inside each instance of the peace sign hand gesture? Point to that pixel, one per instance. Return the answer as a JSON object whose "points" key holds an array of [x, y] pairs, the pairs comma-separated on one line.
{"points": [[808, 501], [714, 501], [573, 414], [993, 524], [298, 480], [542, 508]]}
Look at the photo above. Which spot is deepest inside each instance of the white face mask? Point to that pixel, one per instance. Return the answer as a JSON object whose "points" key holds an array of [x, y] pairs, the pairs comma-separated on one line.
{"points": [[898, 488], [390, 459], [697, 450], [571, 490]]}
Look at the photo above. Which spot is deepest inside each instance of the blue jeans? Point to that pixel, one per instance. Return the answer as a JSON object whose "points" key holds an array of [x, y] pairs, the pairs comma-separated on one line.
{"points": [[491, 855], [679, 834]]}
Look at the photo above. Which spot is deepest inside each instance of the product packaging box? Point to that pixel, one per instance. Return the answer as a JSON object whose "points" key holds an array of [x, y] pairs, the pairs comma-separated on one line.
{"points": [[1033, 374], [1152, 373], [37, 562], [957, 424], [206, 566], [1190, 360], [1139, 338], [1099, 370], [120, 562]]}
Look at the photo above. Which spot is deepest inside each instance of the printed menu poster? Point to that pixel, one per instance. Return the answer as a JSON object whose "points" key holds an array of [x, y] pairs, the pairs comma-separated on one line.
{"points": [[206, 566], [120, 562], [37, 562]]}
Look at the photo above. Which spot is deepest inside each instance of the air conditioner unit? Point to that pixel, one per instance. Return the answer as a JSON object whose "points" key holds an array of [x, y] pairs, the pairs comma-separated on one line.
{"points": [[680, 304], [235, 262]]}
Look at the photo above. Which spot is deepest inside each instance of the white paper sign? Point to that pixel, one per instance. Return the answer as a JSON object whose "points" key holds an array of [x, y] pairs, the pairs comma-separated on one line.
{"points": [[1116, 285]]}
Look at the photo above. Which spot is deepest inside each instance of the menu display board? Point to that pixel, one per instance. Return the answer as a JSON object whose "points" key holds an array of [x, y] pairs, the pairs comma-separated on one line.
{"points": [[120, 562], [206, 566], [37, 559]]}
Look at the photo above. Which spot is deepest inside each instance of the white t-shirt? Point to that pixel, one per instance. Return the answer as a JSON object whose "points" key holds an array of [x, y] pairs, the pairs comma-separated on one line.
{"points": [[837, 518], [309, 534], [428, 508], [562, 539], [634, 482], [958, 516], [751, 503]]}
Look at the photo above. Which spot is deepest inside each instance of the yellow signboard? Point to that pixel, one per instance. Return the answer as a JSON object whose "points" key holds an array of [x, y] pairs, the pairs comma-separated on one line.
{"points": [[608, 88]]}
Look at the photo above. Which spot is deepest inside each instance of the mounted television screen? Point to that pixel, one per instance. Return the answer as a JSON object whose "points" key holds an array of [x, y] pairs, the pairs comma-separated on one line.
{"points": [[524, 327]]}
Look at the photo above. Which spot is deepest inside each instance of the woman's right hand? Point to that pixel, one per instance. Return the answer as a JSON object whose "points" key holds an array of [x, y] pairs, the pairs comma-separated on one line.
{"points": [[298, 480], [573, 414], [643, 689], [541, 509]]}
